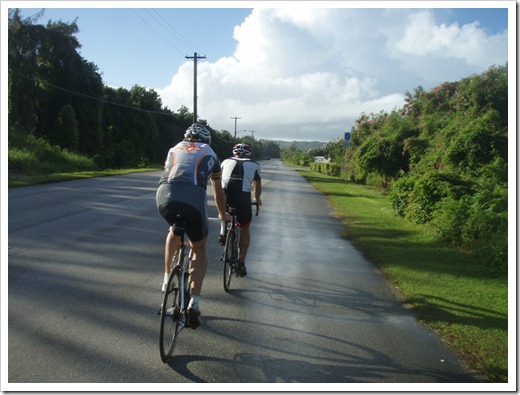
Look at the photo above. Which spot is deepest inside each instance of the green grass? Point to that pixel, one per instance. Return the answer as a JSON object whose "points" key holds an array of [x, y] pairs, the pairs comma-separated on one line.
{"points": [[17, 180], [32, 155], [33, 160], [449, 290]]}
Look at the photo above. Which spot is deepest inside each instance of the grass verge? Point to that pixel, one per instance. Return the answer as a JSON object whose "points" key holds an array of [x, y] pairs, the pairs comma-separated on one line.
{"points": [[16, 180], [448, 289]]}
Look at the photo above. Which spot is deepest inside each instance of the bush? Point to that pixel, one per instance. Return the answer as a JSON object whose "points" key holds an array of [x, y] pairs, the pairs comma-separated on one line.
{"points": [[330, 169], [297, 157], [479, 222], [385, 156], [416, 197], [400, 194]]}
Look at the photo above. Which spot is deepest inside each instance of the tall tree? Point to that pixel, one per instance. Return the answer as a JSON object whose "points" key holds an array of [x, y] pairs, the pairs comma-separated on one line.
{"points": [[46, 73], [65, 129]]}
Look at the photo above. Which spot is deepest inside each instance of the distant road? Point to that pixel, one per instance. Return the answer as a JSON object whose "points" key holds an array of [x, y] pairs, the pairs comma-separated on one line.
{"points": [[85, 266]]}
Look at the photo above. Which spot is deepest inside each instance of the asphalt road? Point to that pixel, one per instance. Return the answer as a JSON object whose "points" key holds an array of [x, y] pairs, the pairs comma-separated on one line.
{"points": [[84, 270]]}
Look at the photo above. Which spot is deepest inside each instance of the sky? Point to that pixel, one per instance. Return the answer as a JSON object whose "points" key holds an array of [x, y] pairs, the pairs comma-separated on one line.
{"points": [[287, 70]]}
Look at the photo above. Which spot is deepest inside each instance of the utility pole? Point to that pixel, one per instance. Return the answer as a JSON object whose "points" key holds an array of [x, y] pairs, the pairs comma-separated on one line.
{"points": [[195, 57], [235, 118], [253, 139]]}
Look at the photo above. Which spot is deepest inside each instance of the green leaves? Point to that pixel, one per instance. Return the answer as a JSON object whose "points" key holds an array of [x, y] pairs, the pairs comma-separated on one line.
{"points": [[443, 160]]}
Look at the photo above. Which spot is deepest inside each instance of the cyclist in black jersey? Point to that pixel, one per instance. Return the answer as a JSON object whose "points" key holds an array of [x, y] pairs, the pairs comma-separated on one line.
{"points": [[182, 190], [240, 177]]}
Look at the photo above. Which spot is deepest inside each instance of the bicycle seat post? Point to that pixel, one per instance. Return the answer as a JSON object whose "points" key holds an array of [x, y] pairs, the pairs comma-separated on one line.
{"points": [[178, 228], [232, 211]]}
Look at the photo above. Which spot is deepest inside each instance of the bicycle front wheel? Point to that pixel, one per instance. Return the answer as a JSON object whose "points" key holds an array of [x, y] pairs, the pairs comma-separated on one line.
{"points": [[171, 315], [230, 257]]}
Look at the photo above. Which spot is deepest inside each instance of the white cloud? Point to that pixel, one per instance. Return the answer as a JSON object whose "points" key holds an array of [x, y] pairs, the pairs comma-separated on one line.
{"points": [[308, 74], [469, 43]]}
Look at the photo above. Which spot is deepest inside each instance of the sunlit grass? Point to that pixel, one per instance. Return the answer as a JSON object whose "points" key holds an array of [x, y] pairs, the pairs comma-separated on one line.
{"points": [[449, 290], [26, 180], [34, 160]]}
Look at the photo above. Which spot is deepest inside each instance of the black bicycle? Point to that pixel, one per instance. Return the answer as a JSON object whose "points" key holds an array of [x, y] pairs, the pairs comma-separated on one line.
{"points": [[174, 308], [231, 253]]}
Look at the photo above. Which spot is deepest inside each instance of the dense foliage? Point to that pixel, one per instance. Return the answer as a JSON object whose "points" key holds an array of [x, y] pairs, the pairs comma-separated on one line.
{"points": [[442, 157], [58, 105]]}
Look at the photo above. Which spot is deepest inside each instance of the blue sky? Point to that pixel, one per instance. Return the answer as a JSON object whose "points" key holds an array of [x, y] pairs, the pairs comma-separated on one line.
{"points": [[146, 46], [298, 71]]}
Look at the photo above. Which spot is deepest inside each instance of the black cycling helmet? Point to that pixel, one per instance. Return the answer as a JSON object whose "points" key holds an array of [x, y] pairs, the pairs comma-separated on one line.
{"points": [[197, 131], [242, 150]]}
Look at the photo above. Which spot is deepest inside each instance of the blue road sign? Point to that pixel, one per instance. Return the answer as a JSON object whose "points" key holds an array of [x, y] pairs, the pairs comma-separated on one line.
{"points": [[347, 136]]}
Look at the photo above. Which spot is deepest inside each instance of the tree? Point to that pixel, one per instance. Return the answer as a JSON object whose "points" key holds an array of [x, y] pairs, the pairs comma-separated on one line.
{"points": [[335, 151], [65, 130], [47, 73]]}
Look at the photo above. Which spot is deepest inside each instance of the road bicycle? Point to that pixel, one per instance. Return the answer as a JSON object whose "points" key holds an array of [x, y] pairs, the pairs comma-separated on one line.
{"points": [[231, 252], [174, 308]]}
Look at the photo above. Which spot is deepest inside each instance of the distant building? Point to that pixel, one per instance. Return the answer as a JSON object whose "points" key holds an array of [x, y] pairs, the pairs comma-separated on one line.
{"points": [[321, 159]]}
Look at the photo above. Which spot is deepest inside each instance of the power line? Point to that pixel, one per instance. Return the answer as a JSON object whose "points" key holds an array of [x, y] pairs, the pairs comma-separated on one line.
{"points": [[90, 97], [223, 139], [176, 32], [156, 31], [108, 101]]}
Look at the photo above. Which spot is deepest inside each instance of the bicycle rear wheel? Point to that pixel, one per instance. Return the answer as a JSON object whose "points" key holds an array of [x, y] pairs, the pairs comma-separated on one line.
{"points": [[230, 258], [171, 315]]}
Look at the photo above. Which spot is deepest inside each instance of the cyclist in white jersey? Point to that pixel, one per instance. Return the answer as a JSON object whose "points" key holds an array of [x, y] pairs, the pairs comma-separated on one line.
{"points": [[240, 177], [182, 190]]}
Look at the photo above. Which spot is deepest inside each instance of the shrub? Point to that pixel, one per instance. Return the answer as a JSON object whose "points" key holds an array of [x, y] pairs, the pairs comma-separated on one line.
{"points": [[385, 156], [330, 169], [478, 221], [450, 218], [400, 194], [35, 155]]}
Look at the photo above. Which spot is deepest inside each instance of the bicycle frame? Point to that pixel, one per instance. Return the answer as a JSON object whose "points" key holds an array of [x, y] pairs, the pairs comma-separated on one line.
{"points": [[233, 222], [231, 253], [176, 296]]}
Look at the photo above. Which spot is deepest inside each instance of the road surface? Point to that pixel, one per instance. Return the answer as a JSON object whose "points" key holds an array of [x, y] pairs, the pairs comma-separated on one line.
{"points": [[85, 263]]}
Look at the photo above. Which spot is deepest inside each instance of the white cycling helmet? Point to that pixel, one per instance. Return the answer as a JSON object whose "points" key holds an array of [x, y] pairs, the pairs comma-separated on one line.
{"points": [[197, 131], [242, 150]]}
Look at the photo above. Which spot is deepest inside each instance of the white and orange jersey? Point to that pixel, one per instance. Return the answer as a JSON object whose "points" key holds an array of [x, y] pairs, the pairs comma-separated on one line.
{"points": [[191, 163]]}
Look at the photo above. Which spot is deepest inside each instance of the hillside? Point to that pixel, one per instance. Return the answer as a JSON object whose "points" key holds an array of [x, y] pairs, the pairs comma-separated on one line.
{"points": [[300, 145]]}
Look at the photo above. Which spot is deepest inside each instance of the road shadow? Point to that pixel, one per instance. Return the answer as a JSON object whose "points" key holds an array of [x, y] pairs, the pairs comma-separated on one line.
{"points": [[296, 356]]}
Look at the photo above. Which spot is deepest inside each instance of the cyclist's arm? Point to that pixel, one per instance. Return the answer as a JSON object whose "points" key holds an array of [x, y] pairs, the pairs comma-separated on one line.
{"points": [[257, 191], [220, 199]]}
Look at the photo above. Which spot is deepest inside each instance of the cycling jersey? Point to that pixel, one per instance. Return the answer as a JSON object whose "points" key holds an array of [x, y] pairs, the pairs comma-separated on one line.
{"points": [[239, 173], [182, 186], [191, 163]]}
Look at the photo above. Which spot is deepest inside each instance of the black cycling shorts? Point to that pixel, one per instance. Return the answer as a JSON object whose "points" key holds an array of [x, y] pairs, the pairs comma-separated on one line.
{"points": [[195, 225], [242, 202], [189, 203]]}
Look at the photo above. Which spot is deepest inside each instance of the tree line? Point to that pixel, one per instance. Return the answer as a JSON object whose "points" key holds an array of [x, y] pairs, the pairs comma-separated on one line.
{"points": [[57, 100], [442, 158]]}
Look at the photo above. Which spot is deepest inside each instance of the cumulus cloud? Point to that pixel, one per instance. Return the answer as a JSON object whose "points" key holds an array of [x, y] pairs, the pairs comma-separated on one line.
{"points": [[423, 37], [307, 74]]}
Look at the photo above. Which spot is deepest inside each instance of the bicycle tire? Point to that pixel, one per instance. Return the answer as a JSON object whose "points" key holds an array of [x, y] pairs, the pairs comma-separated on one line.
{"points": [[229, 259], [171, 315]]}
